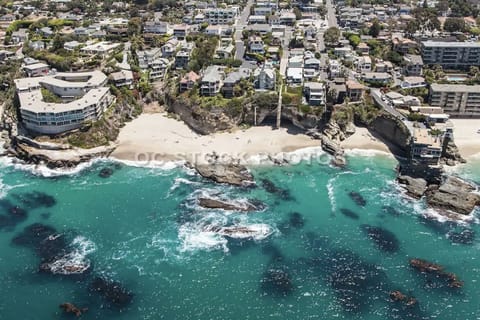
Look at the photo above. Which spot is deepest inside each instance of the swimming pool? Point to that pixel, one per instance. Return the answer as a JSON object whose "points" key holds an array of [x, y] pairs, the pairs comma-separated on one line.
{"points": [[456, 78]]}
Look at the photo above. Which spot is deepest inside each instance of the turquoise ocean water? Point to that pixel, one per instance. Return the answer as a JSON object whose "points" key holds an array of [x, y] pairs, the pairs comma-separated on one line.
{"points": [[311, 259]]}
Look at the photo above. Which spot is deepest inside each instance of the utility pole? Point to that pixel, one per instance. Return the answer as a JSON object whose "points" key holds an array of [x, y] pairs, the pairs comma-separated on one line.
{"points": [[279, 107]]}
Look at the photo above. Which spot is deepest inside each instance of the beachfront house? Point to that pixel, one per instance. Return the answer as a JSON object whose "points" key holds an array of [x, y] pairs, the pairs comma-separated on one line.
{"points": [[188, 81], [212, 81], [314, 93], [425, 147], [229, 89], [265, 78]]}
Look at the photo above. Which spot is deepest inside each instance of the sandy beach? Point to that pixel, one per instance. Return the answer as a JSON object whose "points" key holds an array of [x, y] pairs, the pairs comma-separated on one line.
{"points": [[363, 139], [466, 137], [156, 137]]}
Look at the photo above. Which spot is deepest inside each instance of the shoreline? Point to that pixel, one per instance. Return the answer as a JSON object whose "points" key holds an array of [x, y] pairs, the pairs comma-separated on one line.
{"points": [[466, 137], [157, 141], [155, 137], [141, 140]]}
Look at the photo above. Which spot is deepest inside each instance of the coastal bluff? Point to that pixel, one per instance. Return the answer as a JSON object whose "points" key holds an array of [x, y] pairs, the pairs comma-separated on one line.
{"points": [[55, 155]]}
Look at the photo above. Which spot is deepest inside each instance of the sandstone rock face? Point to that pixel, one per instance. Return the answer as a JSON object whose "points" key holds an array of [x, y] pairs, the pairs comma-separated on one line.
{"points": [[392, 130], [233, 174], [451, 155], [331, 146], [333, 131], [415, 187], [203, 120], [454, 194]]}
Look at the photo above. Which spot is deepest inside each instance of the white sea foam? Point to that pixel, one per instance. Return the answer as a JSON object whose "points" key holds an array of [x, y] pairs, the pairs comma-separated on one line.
{"points": [[258, 231], [163, 165], [308, 154], [193, 239], [44, 171], [368, 153], [177, 182], [331, 193], [75, 261], [431, 213]]}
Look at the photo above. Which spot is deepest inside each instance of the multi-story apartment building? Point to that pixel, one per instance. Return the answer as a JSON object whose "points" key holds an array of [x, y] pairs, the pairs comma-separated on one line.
{"points": [[221, 15], [82, 97], [457, 100], [451, 55]]}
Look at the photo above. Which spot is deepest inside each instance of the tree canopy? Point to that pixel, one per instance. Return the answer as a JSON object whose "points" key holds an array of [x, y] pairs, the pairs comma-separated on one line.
{"points": [[375, 28], [332, 35], [455, 25]]}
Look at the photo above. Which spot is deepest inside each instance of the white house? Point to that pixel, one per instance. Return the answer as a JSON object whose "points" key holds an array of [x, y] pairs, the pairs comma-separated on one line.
{"points": [[84, 98], [256, 45], [265, 78]]}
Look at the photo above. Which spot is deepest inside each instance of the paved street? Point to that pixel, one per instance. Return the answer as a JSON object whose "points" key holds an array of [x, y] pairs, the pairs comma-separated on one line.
{"points": [[286, 52], [331, 16], [377, 96], [331, 20], [239, 26]]}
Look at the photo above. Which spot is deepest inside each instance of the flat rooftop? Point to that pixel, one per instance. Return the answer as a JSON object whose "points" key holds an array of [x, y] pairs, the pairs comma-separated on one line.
{"points": [[423, 136], [451, 44], [455, 88], [33, 101]]}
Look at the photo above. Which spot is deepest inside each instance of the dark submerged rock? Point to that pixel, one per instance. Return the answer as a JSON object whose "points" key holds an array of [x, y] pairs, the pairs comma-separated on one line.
{"points": [[33, 235], [36, 199], [276, 282], [383, 238], [105, 172], [270, 187], [296, 220], [13, 215], [465, 236], [52, 248], [112, 291], [349, 213], [358, 198], [273, 251], [353, 280]]}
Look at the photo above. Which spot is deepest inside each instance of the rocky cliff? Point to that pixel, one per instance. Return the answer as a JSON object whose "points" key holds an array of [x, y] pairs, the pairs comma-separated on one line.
{"points": [[451, 155], [393, 130], [204, 120]]}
